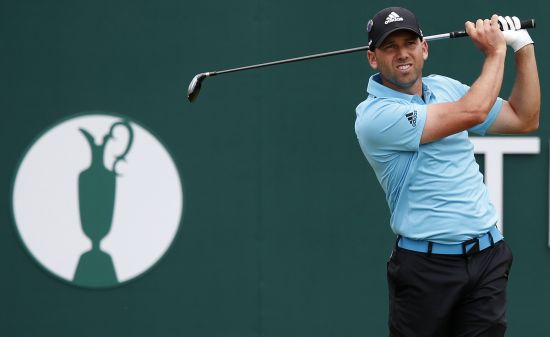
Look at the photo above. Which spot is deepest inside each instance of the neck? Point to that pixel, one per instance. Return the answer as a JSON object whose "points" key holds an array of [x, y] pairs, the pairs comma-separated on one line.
{"points": [[413, 89]]}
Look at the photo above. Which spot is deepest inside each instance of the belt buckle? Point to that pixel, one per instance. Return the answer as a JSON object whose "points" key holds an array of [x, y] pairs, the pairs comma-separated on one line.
{"points": [[473, 250]]}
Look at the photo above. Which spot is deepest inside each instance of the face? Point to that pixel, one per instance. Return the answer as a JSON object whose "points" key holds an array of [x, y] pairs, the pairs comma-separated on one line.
{"points": [[400, 59]]}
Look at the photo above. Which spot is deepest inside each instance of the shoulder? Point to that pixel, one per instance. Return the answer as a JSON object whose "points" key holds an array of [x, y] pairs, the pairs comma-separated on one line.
{"points": [[441, 80], [380, 115], [374, 106], [375, 111], [445, 85]]}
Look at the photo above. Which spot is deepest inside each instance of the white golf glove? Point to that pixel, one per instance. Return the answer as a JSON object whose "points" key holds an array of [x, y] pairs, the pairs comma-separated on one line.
{"points": [[515, 37]]}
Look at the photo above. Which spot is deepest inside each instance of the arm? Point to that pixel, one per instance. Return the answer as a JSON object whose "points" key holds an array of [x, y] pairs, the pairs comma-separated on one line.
{"points": [[520, 114], [445, 119]]}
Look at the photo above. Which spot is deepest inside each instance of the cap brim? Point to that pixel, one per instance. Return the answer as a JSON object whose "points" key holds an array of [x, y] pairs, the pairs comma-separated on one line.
{"points": [[386, 34]]}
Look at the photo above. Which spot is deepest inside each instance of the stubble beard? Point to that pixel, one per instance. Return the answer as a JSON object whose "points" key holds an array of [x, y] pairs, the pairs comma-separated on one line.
{"points": [[400, 84]]}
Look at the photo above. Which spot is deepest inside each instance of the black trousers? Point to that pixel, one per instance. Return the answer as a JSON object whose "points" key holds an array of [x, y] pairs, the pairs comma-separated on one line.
{"points": [[448, 295]]}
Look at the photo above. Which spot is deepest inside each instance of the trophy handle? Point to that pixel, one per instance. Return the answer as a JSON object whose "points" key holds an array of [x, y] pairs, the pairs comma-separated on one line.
{"points": [[88, 137], [108, 136]]}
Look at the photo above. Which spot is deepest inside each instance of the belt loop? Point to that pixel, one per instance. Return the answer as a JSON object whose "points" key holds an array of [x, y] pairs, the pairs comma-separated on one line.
{"points": [[473, 250], [491, 239], [430, 246], [397, 241]]}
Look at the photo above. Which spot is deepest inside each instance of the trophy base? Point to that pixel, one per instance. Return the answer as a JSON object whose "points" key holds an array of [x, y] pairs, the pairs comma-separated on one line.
{"points": [[95, 269]]}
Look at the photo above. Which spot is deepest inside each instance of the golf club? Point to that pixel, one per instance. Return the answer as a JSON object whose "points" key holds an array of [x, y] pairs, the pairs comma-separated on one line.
{"points": [[196, 82]]}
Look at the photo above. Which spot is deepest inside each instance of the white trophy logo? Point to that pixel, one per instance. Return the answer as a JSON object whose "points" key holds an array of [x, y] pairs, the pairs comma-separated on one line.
{"points": [[97, 200]]}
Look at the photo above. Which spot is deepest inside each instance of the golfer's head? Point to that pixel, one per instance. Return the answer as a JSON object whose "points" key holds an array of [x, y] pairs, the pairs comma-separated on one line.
{"points": [[397, 50], [388, 21]]}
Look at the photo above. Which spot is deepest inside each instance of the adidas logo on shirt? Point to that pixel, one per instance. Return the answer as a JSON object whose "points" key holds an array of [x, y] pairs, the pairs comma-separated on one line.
{"points": [[411, 116], [392, 18]]}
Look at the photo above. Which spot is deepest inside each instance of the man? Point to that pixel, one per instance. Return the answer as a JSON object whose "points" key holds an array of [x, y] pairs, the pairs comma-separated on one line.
{"points": [[448, 273]]}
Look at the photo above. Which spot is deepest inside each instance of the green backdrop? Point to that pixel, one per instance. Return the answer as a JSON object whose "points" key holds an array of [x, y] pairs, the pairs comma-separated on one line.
{"points": [[285, 228]]}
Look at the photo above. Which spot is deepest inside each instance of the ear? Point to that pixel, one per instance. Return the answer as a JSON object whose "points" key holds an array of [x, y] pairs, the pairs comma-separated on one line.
{"points": [[424, 50], [372, 59]]}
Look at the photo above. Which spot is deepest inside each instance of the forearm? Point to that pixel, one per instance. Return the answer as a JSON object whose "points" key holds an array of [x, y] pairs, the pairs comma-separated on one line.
{"points": [[525, 95], [484, 91]]}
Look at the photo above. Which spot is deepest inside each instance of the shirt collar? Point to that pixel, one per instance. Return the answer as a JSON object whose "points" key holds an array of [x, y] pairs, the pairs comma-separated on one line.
{"points": [[376, 88]]}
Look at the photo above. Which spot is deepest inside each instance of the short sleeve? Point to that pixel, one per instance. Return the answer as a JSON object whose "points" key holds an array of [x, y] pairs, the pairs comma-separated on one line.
{"points": [[482, 128], [390, 125]]}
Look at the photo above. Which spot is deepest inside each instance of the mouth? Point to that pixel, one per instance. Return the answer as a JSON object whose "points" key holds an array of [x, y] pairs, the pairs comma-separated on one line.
{"points": [[404, 67]]}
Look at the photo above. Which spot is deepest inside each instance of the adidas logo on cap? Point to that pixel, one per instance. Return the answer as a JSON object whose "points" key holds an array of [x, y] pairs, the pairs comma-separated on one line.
{"points": [[393, 17], [388, 21]]}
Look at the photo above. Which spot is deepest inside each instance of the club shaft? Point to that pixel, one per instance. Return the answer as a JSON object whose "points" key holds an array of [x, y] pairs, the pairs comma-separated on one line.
{"points": [[524, 24], [296, 59]]}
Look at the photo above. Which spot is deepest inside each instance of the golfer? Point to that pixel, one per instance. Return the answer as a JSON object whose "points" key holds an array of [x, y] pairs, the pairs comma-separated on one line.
{"points": [[448, 273]]}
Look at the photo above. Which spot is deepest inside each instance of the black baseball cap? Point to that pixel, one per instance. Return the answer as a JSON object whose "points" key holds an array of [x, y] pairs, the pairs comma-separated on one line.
{"points": [[389, 20]]}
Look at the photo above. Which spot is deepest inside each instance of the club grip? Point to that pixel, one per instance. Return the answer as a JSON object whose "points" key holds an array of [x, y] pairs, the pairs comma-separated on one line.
{"points": [[526, 24]]}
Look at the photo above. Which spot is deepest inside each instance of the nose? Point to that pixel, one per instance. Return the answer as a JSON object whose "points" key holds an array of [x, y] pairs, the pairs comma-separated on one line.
{"points": [[402, 53]]}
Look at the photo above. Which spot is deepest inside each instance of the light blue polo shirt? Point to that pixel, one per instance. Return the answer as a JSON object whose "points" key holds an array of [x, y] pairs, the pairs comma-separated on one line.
{"points": [[434, 191]]}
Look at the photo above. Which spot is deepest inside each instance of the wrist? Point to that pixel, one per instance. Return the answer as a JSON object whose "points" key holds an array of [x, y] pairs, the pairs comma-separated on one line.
{"points": [[499, 53], [525, 54]]}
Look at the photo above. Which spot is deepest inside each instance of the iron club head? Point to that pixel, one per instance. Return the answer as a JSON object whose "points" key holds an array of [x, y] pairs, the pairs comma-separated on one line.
{"points": [[195, 86]]}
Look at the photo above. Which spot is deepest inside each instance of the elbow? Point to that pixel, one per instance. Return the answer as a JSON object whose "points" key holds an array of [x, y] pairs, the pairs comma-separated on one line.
{"points": [[532, 123], [535, 123], [478, 117], [476, 107], [532, 126], [479, 114], [536, 118]]}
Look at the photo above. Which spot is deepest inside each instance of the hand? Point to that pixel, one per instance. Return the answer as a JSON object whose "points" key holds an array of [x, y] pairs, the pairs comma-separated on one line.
{"points": [[515, 37], [487, 36]]}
